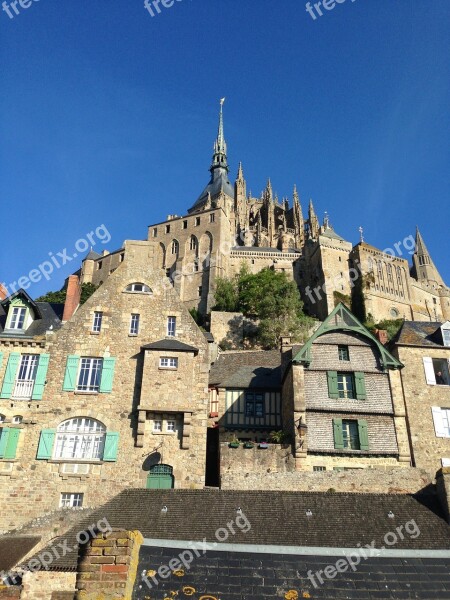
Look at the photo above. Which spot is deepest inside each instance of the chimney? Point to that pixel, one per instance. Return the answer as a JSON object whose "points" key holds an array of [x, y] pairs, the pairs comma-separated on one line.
{"points": [[73, 294], [382, 336], [3, 292]]}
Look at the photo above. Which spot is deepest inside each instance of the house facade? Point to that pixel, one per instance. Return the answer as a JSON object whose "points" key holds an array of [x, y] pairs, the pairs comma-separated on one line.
{"points": [[424, 348], [123, 402], [343, 400]]}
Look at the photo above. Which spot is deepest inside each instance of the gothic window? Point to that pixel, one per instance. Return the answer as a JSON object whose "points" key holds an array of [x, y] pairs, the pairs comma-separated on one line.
{"points": [[193, 245], [175, 247]]}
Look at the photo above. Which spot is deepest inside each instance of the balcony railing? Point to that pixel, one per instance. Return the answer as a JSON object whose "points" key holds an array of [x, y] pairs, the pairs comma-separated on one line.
{"points": [[23, 388]]}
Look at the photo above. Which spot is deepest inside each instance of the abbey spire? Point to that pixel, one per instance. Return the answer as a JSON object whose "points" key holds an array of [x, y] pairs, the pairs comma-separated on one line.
{"points": [[220, 146], [424, 268]]}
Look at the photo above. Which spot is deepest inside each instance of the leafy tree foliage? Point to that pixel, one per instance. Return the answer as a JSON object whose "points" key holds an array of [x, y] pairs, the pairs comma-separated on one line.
{"points": [[269, 297], [59, 297]]}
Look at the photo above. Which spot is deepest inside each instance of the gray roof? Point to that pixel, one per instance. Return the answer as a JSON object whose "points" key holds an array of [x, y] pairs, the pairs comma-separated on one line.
{"points": [[14, 548], [337, 520], [170, 345], [330, 233], [92, 255], [219, 182], [419, 333], [261, 369]]}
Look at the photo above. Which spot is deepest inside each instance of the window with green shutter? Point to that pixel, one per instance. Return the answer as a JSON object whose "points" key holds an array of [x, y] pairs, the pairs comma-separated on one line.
{"points": [[70, 376], [338, 434], [46, 441], [107, 376], [41, 377], [111, 447], [360, 386], [9, 438], [10, 375], [363, 434], [333, 391]]}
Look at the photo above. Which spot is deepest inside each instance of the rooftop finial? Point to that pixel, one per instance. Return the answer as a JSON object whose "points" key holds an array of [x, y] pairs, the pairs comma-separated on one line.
{"points": [[220, 146], [361, 234]]}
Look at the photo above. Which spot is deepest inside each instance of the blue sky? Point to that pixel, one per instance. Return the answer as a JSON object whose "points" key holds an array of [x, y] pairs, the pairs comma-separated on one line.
{"points": [[108, 116]]}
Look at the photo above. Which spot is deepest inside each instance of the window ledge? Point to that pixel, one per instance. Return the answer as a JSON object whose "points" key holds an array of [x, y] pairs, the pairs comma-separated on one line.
{"points": [[71, 461], [85, 393], [133, 334], [95, 332], [164, 432], [167, 368]]}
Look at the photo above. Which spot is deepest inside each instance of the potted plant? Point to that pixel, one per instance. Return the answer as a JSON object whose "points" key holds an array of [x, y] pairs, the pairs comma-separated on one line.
{"points": [[249, 444], [234, 442], [279, 437], [263, 444]]}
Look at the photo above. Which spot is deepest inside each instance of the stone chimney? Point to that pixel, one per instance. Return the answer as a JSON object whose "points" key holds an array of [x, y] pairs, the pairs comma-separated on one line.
{"points": [[382, 336], [73, 294], [443, 490], [3, 292]]}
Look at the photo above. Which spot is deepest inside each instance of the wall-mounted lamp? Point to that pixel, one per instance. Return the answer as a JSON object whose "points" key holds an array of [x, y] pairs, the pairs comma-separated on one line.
{"points": [[302, 429]]}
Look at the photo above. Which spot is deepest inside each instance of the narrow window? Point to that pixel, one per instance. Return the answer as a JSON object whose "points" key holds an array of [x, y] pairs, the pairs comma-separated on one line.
{"points": [[122, 257], [200, 290], [18, 317], [171, 426], [89, 375], [155, 231], [175, 247], [134, 324], [319, 468], [26, 376], [167, 228], [197, 221], [171, 326], [185, 224], [344, 353], [350, 434], [157, 426], [69, 500], [97, 322], [346, 385], [99, 265], [212, 217]]}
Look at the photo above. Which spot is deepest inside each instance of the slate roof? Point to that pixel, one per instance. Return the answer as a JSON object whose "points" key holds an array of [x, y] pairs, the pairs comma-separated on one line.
{"points": [[170, 345], [338, 520], [330, 233], [261, 369], [419, 333], [14, 548], [252, 576], [92, 255], [51, 316]]}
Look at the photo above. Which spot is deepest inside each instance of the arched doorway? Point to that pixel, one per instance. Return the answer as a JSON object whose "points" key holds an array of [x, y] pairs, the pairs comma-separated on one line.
{"points": [[160, 477]]}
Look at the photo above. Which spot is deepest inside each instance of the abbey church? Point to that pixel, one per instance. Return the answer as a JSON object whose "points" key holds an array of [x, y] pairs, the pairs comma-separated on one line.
{"points": [[226, 227]]}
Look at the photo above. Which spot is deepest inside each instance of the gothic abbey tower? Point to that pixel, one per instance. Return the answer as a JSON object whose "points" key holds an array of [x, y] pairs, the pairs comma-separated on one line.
{"points": [[225, 227]]}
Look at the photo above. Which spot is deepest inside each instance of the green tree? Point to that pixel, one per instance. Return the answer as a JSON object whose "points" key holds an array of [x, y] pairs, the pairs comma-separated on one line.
{"points": [[226, 295], [87, 289], [59, 297]]}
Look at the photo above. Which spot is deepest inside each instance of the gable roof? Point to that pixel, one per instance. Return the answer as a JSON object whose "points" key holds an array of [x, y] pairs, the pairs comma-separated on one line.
{"points": [[170, 345], [260, 369], [419, 333], [50, 317], [337, 520], [21, 294], [341, 319]]}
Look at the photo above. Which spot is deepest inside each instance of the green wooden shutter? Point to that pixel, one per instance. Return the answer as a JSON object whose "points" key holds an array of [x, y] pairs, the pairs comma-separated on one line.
{"points": [[70, 376], [10, 375], [360, 386], [41, 377], [4, 435], [11, 444], [111, 447], [338, 435], [333, 391], [46, 441], [107, 377], [363, 434]]}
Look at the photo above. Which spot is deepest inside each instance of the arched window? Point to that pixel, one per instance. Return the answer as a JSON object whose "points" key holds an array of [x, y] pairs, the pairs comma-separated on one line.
{"points": [[175, 247], [193, 245], [141, 288], [80, 439]]}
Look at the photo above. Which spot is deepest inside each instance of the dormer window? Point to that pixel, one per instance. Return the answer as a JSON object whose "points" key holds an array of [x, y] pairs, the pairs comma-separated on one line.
{"points": [[18, 317]]}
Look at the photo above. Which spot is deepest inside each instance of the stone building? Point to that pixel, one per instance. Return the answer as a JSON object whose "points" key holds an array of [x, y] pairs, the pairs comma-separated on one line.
{"points": [[343, 399], [424, 348], [123, 402], [227, 226]]}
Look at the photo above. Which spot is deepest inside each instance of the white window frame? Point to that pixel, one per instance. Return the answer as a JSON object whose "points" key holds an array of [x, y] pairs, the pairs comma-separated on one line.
{"points": [[80, 438], [345, 389], [446, 334], [134, 323], [167, 362], [347, 436], [171, 422], [25, 377], [97, 321], [157, 426], [171, 326], [138, 288], [441, 420], [430, 371], [18, 316], [93, 367], [71, 500]]}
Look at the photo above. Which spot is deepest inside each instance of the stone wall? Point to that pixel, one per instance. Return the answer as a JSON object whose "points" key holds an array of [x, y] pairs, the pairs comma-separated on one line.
{"points": [[10, 592], [33, 487], [443, 490], [428, 450], [228, 327], [45, 585], [387, 480], [274, 459]]}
